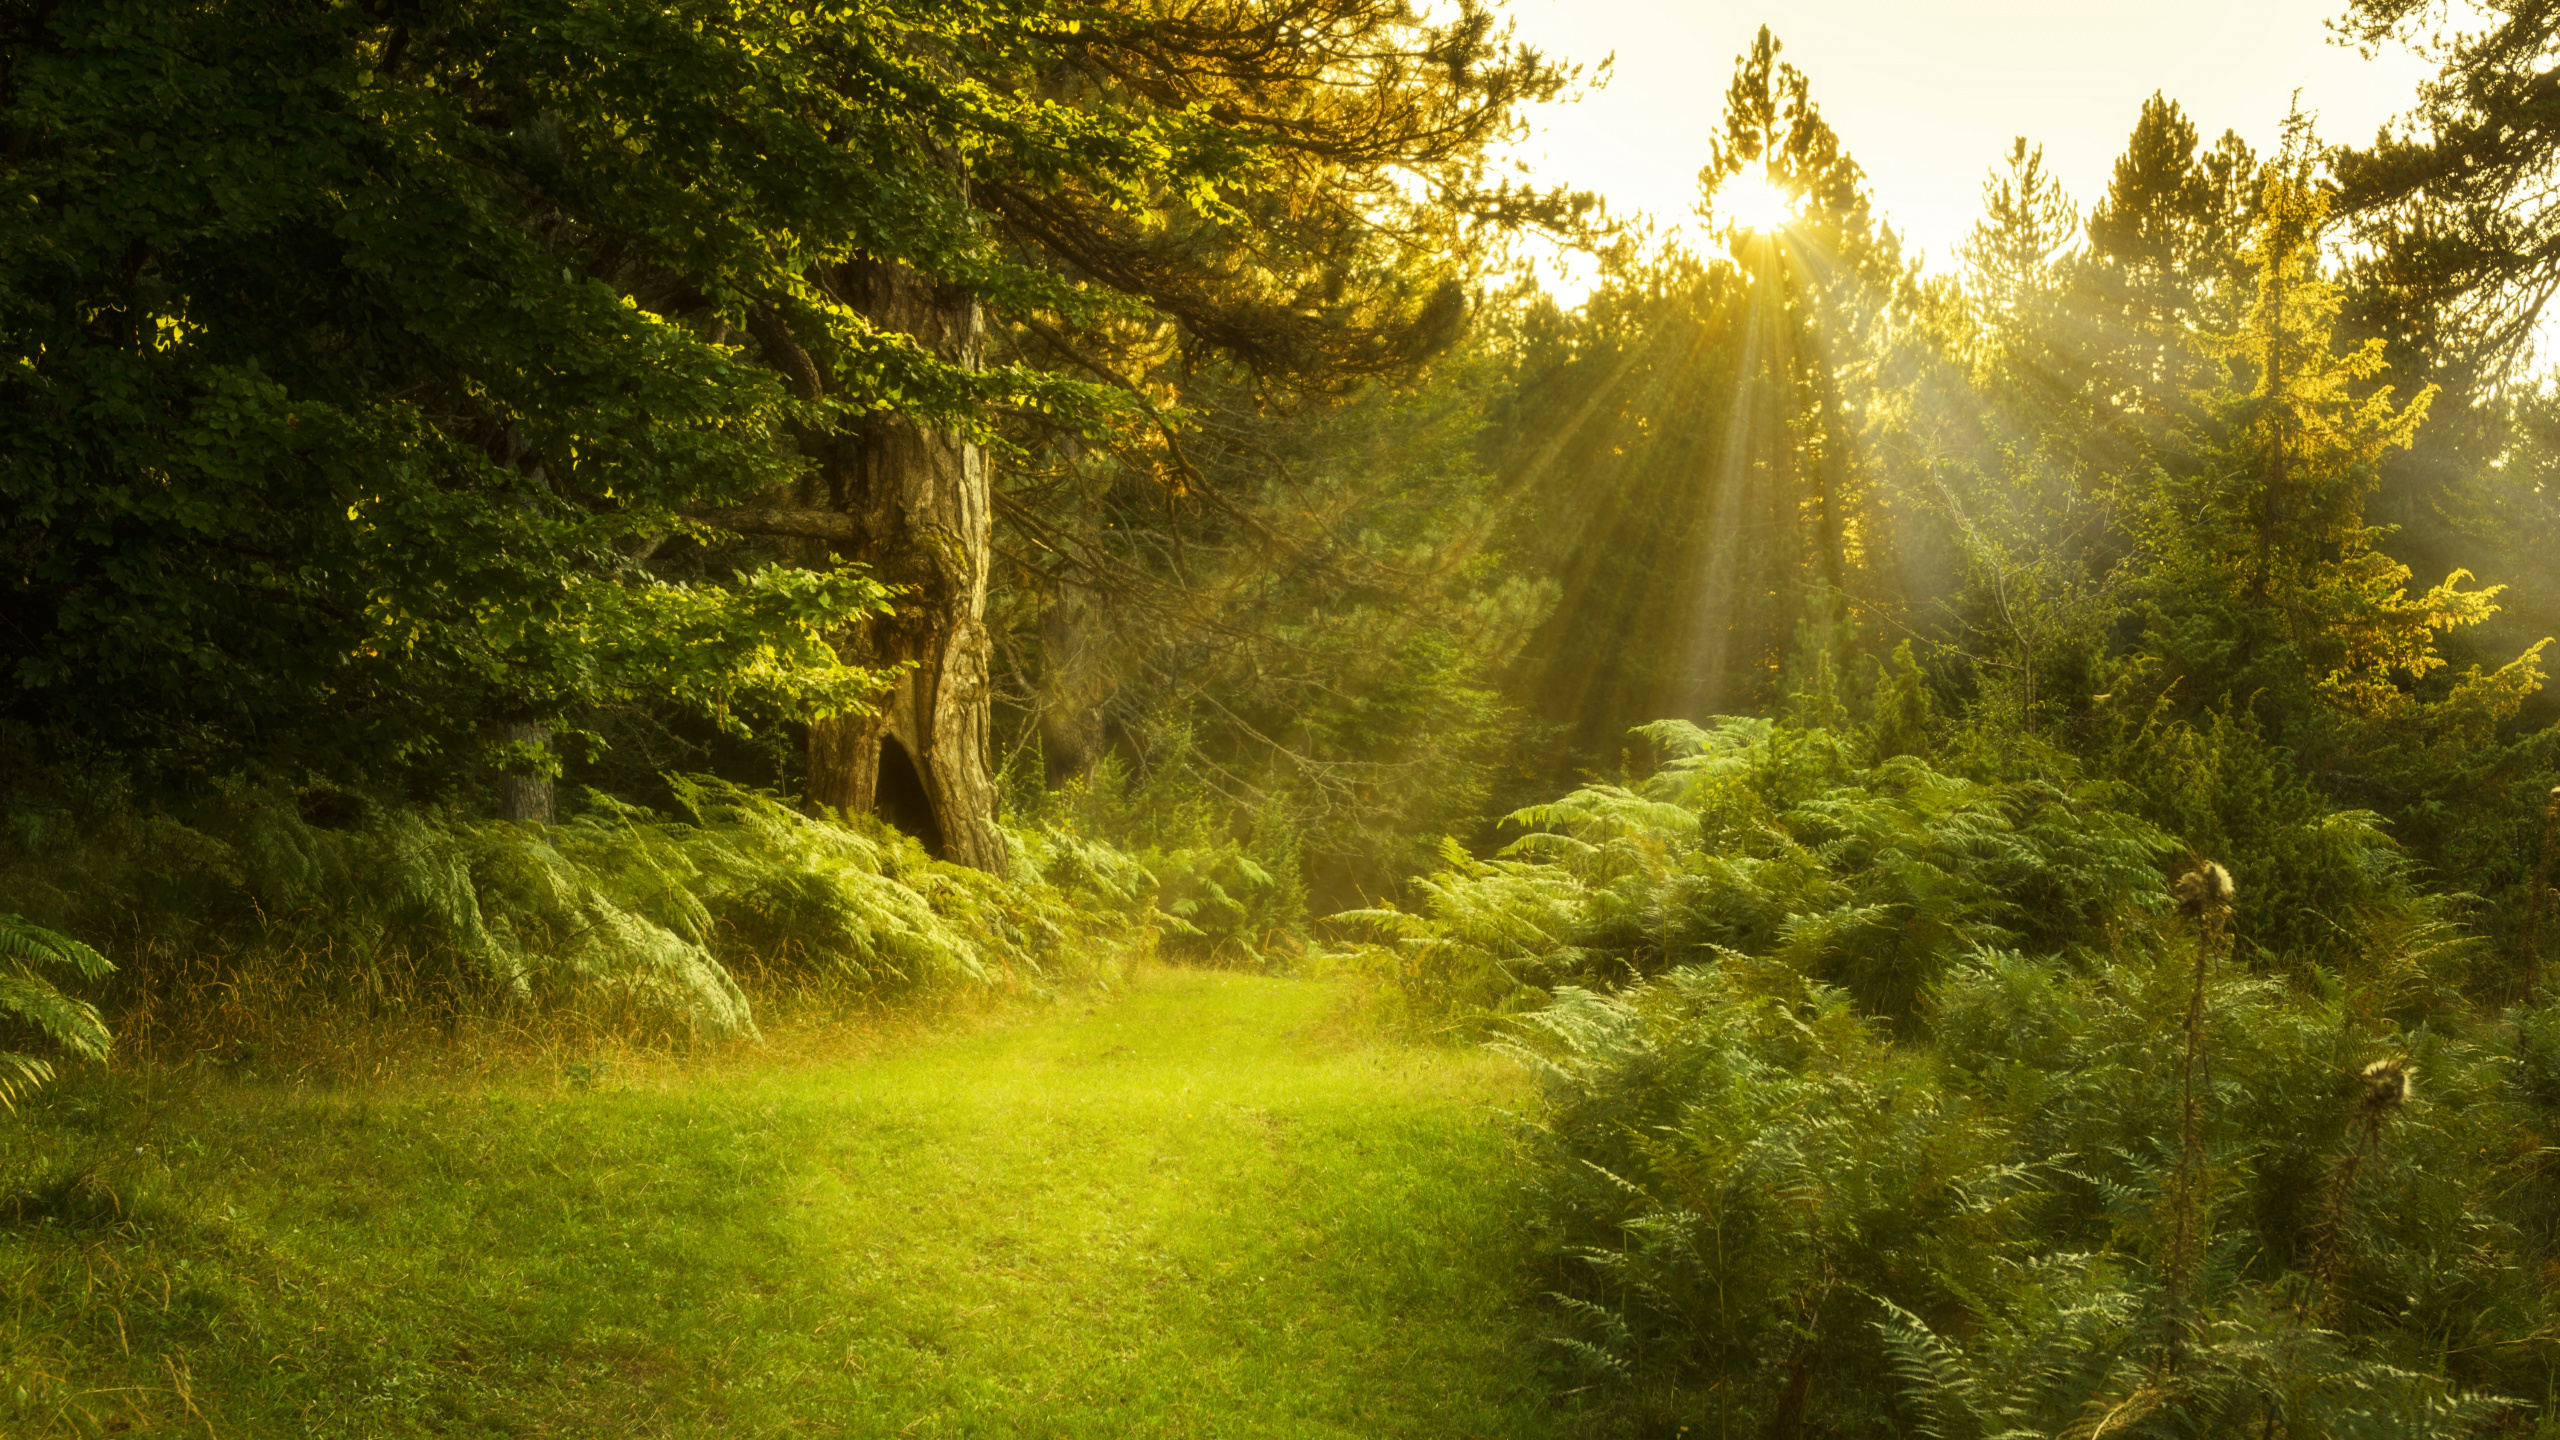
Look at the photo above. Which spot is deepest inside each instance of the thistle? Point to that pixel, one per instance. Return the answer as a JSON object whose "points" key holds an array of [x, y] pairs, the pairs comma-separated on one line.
{"points": [[2386, 1086], [2382, 1087], [2206, 894]]}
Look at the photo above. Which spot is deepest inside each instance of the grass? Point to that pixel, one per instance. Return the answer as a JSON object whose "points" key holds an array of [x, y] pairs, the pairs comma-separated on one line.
{"points": [[1210, 1206]]}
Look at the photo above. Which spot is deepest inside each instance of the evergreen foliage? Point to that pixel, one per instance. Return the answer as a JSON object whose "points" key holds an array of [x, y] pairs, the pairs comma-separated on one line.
{"points": [[2035, 910], [1683, 448], [1310, 641], [1889, 1087]]}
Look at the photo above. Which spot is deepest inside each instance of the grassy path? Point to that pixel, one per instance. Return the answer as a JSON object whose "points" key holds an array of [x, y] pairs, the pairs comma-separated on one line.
{"points": [[1190, 1211]]}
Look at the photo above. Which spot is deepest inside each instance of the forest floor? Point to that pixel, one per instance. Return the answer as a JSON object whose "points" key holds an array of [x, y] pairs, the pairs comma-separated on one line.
{"points": [[1209, 1205]]}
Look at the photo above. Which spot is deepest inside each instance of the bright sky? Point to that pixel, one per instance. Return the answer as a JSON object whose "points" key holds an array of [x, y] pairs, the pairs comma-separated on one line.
{"points": [[1926, 94]]}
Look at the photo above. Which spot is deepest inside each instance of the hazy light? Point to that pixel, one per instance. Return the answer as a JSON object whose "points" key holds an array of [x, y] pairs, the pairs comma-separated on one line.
{"points": [[1928, 97], [1749, 202]]}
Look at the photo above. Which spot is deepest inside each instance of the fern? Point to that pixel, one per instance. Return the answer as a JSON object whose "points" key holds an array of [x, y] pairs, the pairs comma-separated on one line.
{"points": [[1860, 1090], [619, 910], [1758, 840], [29, 1001]]}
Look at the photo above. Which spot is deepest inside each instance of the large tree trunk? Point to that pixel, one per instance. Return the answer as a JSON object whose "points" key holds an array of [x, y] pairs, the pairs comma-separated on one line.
{"points": [[918, 500]]}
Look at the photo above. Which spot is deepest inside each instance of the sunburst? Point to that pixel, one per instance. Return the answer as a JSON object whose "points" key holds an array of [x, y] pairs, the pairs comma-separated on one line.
{"points": [[1749, 202]]}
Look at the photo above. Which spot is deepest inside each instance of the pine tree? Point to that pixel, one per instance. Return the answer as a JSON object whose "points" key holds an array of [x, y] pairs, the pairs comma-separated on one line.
{"points": [[2162, 261], [2452, 201], [2013, 252]]}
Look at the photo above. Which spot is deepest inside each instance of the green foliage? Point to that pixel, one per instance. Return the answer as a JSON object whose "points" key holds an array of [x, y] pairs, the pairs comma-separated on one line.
{"points": [[1764, 1184], [1218, 898], [1862, 1084], [2458, 252], [1308, 637], [1682, 451], [340, 370], [1758, 840], [351, 354], [618, 911], [31, 1002], [1747, 1168]]}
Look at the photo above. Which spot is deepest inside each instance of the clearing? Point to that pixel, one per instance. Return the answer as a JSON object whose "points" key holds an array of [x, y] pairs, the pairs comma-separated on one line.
{"points": [[1205, 1207]]}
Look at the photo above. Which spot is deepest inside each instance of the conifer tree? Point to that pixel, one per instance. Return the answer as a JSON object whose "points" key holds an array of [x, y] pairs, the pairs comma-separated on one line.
{"points": [[2453, 200], [2276, 529], [2163, 260], [2013, 252]]}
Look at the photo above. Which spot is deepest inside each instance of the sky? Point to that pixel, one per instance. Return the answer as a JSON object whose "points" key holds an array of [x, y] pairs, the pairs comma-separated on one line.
{"points": [[1927, 94]]}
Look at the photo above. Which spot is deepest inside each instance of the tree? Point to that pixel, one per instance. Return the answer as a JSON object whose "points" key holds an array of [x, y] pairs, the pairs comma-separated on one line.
{"points": [[2163, 261], [1310, 265], [1688, 448], [2012, 252], [1225, 173], [2459, 258], [2272, 591], [353, 360], [366, 353], [2454, 201], [1302, 646]]}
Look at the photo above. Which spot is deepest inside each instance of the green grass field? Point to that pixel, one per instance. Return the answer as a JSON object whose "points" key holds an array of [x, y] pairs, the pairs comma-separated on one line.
{"points": [[1207, 1206]]}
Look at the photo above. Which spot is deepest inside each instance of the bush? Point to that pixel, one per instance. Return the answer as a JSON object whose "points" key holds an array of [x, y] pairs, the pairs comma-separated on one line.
{"points": [[1787, 1219]]}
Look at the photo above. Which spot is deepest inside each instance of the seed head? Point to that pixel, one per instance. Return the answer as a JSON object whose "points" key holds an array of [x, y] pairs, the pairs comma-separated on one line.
{"points": [[2205, 890], [2386, 1085]]}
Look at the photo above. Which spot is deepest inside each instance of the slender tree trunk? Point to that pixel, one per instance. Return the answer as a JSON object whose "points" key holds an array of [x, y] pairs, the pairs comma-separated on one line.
{"points": [[525, 796], [1076, 678], [2537, 895], [2273, 506], [919, 502]]}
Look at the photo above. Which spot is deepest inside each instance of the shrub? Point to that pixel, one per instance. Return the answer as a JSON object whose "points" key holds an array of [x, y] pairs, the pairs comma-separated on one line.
{"points": [[1754, 839]]}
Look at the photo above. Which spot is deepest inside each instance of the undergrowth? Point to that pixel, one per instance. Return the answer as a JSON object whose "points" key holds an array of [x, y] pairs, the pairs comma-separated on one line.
{"points": [[1884, 1098], [248, 931]]}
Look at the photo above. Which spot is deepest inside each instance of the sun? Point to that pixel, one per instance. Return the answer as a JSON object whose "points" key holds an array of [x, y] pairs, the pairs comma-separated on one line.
{"points": [[1749, 202]]}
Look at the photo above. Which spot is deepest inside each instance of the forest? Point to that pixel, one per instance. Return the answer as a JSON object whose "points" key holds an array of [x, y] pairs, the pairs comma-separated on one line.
{"points": [[894, 717]]}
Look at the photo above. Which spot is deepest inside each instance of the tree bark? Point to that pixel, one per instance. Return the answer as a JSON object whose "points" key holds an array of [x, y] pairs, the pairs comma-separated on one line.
{"points": [[917, 507], [1075, 680], [525, 796]]}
